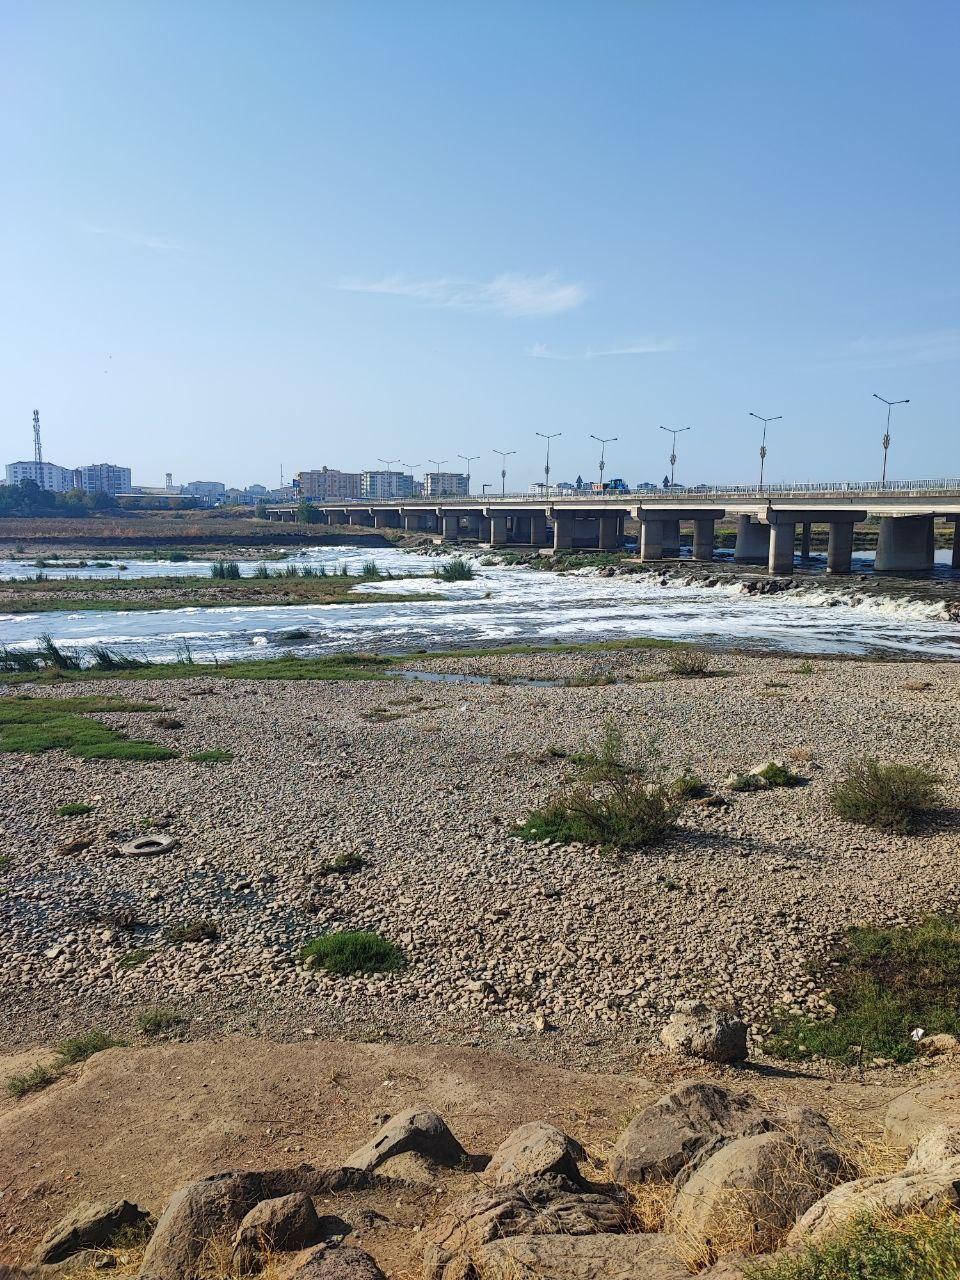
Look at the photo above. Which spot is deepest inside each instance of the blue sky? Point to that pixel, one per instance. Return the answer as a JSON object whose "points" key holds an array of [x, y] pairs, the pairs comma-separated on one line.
{"points": [[239, 235]]}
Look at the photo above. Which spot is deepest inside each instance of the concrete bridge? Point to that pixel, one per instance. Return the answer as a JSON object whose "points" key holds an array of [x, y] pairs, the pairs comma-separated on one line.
{"points": [[767, 522]]}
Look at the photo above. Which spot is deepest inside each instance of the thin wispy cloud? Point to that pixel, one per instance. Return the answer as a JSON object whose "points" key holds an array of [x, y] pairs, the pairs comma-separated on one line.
{"points": [[641, 347], [157, 244], [509, 294], [939, 346]]}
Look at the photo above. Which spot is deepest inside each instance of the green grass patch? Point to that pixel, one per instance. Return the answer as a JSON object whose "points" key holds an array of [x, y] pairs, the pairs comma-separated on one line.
{"points": [[211, 757], [886, 983], [154, 1022], [353, 951], [6, 862], [31, 1081], [74, 810], [34, 725], [888, 797], [884, 1248], [340, 863], [771, 775], [690, 664], [195, 931], [138, 956], [456, 570], [79, 1048]]}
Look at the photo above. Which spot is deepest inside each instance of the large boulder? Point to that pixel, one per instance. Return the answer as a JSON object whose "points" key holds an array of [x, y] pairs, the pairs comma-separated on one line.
{"points": [[889, 1196], [935, 1148], [531, 1151], [697, 1031], [911, 1114], [285, 1223], [208, 1209], [543, 1206], [420, 1132], [751, 1192], [593, 1257], [690, 1123], [87, 1226], [341, 1263]]}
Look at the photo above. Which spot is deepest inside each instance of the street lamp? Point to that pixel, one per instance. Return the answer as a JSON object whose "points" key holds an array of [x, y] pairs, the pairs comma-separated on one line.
{"points": [[472, 458], [603, 442], [546, 469], [438, 465], [504, 454], [886, 434], [763, 442], [673, 452]]}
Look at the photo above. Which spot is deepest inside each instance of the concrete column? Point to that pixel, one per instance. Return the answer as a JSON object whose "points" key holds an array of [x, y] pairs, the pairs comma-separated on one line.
{"points": [[498, 529], [386, 519], [932, 541], [703, 539], [538, 528], [903, 544], [753, 542], [608, 540], [562, 530], [450, 526], [671, 538], [483, 528], [782, 539], [360, 517], [955, 562], [651, 540], [411, 521], [805, 540], [840, 547]]}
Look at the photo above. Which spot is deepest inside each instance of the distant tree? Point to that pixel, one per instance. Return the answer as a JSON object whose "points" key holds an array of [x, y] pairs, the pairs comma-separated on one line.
{"points": [[307, 512], [666, 482], [260, 510]]}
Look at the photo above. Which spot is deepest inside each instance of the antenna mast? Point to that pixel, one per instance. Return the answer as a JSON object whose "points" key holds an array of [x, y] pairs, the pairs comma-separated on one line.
{"points": [[37, 448]]}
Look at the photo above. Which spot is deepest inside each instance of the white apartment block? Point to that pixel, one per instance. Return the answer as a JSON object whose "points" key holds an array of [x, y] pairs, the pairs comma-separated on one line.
{"points": [[445, 484], [382, 486], [46, 474]]}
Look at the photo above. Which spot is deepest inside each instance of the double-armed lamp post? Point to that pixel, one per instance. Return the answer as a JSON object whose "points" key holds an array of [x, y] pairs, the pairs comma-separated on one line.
{"points": [[546, 469], [763, 442], [886, 434], [503, 454], [468, 459], [603, 442], [673, 452]]}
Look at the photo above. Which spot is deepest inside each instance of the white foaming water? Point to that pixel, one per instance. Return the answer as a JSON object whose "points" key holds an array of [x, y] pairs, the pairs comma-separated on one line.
{"points": [[510, 604]]}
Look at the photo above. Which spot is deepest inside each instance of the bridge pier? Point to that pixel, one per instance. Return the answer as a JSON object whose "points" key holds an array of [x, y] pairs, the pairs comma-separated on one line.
{"points": [[364, 518], [608, 538], [783, 537], [450, 526], [703, 539], [753, 542], [651, 540], [562, 530], [337, 515], [671, 539], [386, 519], [955, 559], [498, 529], [839, 546], [904, 544], [805, 539], [538, 529]]}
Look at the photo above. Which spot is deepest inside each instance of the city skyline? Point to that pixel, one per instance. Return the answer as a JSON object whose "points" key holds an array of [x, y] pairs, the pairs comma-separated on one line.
{"points": [[441, 232]]}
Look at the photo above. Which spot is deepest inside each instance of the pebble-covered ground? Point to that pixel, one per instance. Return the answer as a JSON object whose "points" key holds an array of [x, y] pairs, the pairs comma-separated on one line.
{"points": [[426, 782]]}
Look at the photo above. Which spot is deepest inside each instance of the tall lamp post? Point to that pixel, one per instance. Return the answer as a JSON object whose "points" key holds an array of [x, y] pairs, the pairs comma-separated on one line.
{"points": [[886, 434], [504, 454], [763, 442], [673, 452], [472, 458], [438, 465], [546, 469], [603, 442]]}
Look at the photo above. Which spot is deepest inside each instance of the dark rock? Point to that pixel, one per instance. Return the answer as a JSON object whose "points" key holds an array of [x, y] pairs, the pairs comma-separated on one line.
{"points": [[418, 1129], [288, 1222], [200, 1211], [86, 1226], [594, 1257], [531, 1151], [342, 1263]]}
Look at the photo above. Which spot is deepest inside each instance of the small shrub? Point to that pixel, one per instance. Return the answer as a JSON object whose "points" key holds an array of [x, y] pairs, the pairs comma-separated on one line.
{"points": [[74, 810], [6, 862], [689, 787], [456, 570], [104, 659], [773, 774], [79, 1048], [689, 663], [341, 862], [889, 797], [133, 959], [225, 569], [804, 669], [883, 1248], [54, 657], [211, 757], [153, 1022], [196, 931], [31, 1081], [353, 952], [169, 722]]}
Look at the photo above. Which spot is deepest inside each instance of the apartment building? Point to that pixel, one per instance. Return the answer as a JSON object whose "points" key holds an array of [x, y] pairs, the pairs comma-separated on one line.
{"points": [[445, 484], [327, 484], [381, 486]]}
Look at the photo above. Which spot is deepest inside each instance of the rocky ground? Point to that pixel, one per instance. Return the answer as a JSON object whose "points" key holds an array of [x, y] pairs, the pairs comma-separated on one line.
{"points": [[562, 953]]}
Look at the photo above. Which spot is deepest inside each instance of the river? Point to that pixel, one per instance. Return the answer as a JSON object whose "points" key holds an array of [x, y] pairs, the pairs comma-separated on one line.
{"points": [[500, 605]]}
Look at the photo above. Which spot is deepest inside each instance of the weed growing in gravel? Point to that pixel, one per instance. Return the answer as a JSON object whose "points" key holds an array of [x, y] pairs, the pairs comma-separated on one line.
{"points": [[6, 862], [616, 804], [804, 669], [341, 862], [456, 570], [79, 1048], [886, 983], [889, 797], [196, 931], [74, 810], [884, 1248], [104, 659], [771, 775], [353, 951], [36, 1078], [33, 725], [689, 663], [225, 569], [169, 722], [211, 757], [153, 1022], [136, 957], [689, 787]]}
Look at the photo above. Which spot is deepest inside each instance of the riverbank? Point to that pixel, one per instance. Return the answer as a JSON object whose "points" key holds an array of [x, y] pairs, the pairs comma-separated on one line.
{"points": [[421, 784]]}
